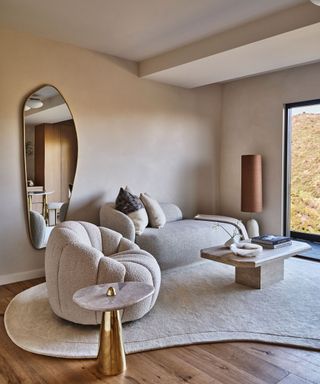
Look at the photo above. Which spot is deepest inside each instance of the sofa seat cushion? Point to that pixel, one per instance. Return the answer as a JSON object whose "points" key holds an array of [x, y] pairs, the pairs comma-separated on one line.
{"points": [[179, 242]]}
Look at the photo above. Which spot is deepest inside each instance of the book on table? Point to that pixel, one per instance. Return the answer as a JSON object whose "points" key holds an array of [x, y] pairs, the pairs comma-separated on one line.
{"points": [[271, 241], [275, 246]]}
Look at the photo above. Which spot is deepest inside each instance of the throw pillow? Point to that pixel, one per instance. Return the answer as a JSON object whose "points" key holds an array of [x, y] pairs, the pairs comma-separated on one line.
{"points": [[157, 218], [132, 206]]}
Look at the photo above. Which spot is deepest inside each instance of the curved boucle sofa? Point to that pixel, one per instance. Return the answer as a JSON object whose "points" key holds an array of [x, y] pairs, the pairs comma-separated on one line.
{"points": [[180, 240], [80, 254]]}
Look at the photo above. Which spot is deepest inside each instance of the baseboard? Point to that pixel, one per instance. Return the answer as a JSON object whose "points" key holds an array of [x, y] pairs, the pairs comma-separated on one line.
{"points": [[21, 276]]}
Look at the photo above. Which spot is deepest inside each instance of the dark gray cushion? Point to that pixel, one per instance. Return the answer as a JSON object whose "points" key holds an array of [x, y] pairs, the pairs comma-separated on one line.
{"points": [[126, 202]]}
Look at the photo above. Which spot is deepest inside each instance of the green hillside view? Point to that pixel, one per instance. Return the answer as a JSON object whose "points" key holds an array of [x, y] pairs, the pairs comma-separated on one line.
{"points": [[305, 173]]}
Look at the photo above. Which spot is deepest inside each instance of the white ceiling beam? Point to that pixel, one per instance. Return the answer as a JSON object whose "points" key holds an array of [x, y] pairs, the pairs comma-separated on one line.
{"points": [[178, 63], [283, 51]]}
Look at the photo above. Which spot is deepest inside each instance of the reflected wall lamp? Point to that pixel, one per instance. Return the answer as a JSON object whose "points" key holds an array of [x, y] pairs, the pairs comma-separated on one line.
{"points": [[251, 189]]}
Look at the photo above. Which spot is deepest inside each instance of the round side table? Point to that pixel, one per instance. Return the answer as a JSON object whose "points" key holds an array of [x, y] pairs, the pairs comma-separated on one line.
{"points": [[109, 299]]}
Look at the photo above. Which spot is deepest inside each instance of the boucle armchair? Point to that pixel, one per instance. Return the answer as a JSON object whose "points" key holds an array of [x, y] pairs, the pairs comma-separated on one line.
{"points": [[80, 254]]}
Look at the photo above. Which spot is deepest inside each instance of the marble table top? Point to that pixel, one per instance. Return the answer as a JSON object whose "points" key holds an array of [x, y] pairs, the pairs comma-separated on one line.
{"points": [[224, 255], [95, 297]]}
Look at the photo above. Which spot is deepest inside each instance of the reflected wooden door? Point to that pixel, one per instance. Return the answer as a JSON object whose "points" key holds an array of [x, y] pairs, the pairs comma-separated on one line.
{"points": [[55, 158]]}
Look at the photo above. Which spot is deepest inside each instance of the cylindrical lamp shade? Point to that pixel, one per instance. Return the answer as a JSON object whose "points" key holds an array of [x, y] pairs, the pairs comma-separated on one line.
{"points": [[251, 183]]}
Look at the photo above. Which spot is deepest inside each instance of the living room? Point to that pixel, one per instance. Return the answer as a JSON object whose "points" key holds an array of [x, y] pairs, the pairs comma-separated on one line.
{"points": [[181, 144]]}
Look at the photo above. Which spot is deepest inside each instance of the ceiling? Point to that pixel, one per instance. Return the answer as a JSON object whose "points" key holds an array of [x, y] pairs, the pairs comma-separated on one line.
{"points": [[47, 92], [49, 116], [133, 29], [147, 31]]}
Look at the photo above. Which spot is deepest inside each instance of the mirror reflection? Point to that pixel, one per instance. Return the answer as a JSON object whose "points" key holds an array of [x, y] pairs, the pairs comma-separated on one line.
{"points": [[50, 153]]}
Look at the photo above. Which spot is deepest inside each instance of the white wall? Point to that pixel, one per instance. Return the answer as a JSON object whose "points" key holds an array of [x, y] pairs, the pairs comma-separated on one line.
{"points": [[153, 137], [252, 122]]}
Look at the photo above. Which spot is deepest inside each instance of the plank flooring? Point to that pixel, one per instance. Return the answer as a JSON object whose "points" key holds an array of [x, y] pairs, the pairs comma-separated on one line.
{"points": [[219, 363]]}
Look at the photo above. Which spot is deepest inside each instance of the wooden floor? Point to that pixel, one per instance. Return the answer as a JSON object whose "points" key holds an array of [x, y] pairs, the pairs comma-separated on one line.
{"points": [[227, 363]]}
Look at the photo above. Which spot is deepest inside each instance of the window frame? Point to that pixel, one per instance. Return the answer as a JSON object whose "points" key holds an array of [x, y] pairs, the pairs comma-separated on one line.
{"points": [[287, 172]]}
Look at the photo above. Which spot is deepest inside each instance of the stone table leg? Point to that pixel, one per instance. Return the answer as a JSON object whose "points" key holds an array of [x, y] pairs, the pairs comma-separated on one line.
{"points": [[262, 276]]}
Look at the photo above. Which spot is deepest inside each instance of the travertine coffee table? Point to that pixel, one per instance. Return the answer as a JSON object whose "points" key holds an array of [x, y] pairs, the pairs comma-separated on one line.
{"points": [[260, 271], [109, 299]]}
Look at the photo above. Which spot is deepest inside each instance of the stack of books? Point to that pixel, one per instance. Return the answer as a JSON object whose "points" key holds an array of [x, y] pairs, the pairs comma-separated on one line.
{"points": [[271, 241]]}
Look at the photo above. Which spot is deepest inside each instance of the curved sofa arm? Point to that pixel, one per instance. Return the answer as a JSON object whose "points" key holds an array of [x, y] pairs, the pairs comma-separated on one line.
{"points": [[227, 220], [172, 212], [116, 220]]}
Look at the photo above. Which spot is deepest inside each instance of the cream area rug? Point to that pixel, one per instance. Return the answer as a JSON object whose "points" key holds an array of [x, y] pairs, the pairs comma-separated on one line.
{"points": [[199, 303]]}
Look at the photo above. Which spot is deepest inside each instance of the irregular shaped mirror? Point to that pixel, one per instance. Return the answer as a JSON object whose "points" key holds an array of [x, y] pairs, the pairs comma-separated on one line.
{"points": [[50, 159]]}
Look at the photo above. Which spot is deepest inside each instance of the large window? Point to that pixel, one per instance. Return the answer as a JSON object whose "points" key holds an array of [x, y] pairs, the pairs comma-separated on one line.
{"points": [[302, 184]]}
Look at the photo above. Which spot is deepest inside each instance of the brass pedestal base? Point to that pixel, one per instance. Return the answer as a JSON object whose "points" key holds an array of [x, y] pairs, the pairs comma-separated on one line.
{"points": [[111, 356]]}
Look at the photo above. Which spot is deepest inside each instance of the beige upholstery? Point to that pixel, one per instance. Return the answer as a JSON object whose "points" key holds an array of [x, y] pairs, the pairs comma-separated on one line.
{"points": [[80, 254]]}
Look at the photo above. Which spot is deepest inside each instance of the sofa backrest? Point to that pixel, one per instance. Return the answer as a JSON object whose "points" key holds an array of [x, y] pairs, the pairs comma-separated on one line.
{"points": [[172, 212]]}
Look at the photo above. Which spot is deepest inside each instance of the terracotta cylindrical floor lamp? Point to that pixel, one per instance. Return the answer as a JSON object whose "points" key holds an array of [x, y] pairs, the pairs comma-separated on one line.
{"points": [[251, 189]]}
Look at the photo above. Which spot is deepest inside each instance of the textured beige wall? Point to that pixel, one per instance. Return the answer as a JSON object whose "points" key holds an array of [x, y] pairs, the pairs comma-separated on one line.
{"points": [[153, 137], [252, 122]]}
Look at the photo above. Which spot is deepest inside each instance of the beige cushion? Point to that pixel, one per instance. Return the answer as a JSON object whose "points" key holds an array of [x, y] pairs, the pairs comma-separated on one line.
{"points": [[140, 220], [157, 218]]}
